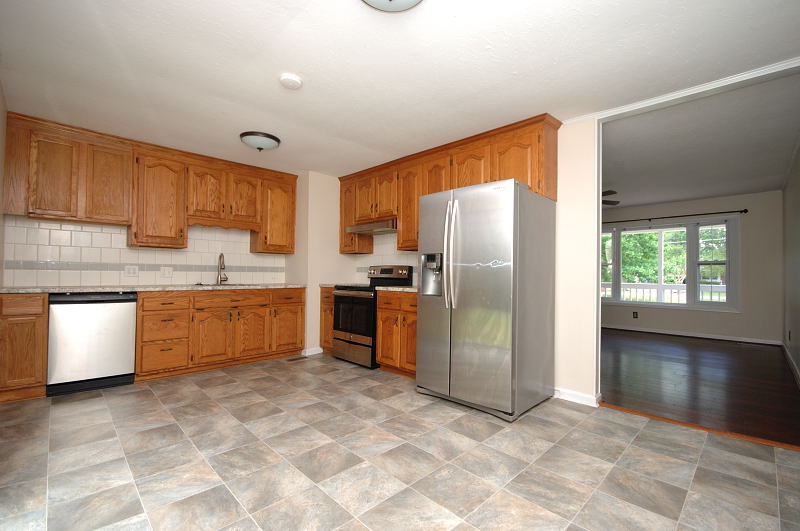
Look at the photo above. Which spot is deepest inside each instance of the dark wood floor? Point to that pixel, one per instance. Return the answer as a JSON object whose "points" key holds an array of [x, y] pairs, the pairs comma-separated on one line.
{"points": [[738, 387]]}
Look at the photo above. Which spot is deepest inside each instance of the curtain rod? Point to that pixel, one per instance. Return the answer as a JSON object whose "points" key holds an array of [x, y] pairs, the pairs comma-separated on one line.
{"points": [[743, 211]]}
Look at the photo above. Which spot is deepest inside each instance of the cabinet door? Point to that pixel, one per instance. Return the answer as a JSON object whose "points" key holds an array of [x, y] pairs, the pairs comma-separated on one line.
{"points": [[388, 338], [53, 177], [514, 156], [326, 326], [408, 348], [386, 194], [108, 184], [244, 199], [408, 213], [436, 175], [206, 193], [350, 243], [211, 339], [279, 218], [365, 199], [471, 165], [288, 328], [251, 334], [160, 203], [23, 349]]}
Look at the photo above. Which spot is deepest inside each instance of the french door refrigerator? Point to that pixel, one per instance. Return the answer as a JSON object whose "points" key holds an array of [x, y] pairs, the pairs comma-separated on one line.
{"points": [[486, 297]]}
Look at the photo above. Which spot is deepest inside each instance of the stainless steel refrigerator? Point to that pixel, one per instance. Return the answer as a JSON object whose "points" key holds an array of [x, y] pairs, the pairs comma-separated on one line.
{"points": [[486, 297]]}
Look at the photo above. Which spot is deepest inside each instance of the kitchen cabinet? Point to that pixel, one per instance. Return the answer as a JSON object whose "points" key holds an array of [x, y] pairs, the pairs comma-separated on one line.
{"points": [[326, 319], [350, 243], [189, 331], [528, 154], [23, 346], [160, 213], [106, 185], [53, 181], [376, 196], [471, 164], [436, 175], [408, 181], [223, 199], [276, 234], [396, 329], [244, 201]]}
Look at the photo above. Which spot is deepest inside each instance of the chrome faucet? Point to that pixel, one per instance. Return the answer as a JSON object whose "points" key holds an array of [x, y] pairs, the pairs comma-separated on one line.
{"points": [[221, 277]]}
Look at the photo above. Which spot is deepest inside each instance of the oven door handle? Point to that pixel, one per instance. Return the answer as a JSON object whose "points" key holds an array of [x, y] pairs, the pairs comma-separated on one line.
{"points": [[357, 294]]}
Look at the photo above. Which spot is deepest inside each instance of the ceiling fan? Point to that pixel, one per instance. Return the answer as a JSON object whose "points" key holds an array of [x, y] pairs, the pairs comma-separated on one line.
{"points": [[609, 202]]}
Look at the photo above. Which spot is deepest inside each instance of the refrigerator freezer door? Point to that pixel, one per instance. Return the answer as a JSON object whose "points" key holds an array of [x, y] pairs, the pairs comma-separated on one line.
{"points": [[482, 280], [433, 324]]}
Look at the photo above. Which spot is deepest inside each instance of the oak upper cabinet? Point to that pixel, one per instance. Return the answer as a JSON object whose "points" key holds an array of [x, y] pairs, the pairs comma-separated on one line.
{"points": [[244, 200], [350, 243], [471, 164], [408, 181], [160, 212], [278, 219], [211, 338], [251, 332], [376, 196], [436, 175], [288, 328], [206, 200], [23, 341], [528, 154], [107, 185], [53, 177]]}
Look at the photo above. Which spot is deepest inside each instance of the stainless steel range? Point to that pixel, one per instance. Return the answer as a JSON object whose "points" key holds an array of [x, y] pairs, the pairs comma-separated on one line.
{"points": [[354, 313]]}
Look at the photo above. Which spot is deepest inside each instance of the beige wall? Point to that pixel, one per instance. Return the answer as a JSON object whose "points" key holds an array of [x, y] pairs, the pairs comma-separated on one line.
{"points": [[3, 110], [761, 302], [577, 267], [791, 235]]}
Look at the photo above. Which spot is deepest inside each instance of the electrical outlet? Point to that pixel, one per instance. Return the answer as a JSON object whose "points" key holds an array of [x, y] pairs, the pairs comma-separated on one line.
{"points": [[635, 314], [166, 272], [131, 271]]}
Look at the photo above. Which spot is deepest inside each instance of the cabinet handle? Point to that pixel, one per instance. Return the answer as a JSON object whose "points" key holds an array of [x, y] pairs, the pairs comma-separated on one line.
{"points": [[223, 208], [166, 303], [266, 239], [166, 320], [230, 316], [180, 233], [237, 316], [166, 349], [230, 209], [236, 300]]}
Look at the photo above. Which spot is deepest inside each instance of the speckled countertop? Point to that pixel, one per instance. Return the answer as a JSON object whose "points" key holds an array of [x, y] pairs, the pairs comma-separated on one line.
{"points": [[159, 287], [327, 285], [405, 289]]}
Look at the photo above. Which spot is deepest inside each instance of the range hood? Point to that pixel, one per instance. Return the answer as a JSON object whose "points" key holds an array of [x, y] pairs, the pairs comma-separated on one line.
{"points": [[385, 226]]}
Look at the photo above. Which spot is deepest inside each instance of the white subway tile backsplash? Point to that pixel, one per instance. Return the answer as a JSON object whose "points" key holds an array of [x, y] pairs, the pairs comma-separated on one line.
{"points": [[96, 249]]}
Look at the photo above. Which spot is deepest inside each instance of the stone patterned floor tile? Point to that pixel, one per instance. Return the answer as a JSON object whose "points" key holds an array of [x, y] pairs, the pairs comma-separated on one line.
{"points": [[273, 425], [738, 491], [738, 465], [81, 435], [88, 480], [297, 441], [505, 511], [541, 428], [219, 421], [651, 494], [407, 462], [255, 411], [361, 487], [216, 442], [310, 509], [519, 444], [158, 460], [473, 427], [455, 489], [444, 444], [370, 441], [23, 498], [653, 441], [574, 465], [619, 417], [315, 412], [325, 461], [268, 485], [551, 491], [490, 464], [245, 524], [789, 506], [787, 457], [409, 510], [175, 484], [243, 460], [702, 512], [407, 426], [658, 466], [741, 447], [554, 412], [675, 433], [789, 478], [340, 425], [604, 512], [141, 441], [592, 444], [375, 412], [210, 509], [599, 426], [439, 412], [96, 510], [83, 455]]}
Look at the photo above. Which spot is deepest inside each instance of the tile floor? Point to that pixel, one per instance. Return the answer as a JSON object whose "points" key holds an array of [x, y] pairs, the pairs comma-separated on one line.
{"points": [[316, 443]]}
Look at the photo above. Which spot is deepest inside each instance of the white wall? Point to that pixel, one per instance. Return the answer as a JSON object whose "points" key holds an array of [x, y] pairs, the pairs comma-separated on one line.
{"points": [[791, 238], [761, 303], [2, 169], [577, 267], [45, 253]]}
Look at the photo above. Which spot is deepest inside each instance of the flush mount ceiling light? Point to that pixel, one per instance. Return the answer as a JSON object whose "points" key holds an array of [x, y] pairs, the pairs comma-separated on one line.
{"points": [[291, 81], [392, 5], [259, 140]]}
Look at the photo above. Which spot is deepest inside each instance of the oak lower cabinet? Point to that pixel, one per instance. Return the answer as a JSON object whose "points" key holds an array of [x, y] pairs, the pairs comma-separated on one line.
{"points": [[187, 331], [326, 319], [396, 338], [23, 346]]}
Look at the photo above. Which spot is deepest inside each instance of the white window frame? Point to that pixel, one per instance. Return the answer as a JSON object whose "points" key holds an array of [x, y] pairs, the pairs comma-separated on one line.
{"points": [[692, 226]]}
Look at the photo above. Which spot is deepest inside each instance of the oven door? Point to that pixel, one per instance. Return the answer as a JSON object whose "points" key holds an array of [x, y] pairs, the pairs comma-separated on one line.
{"points": [[354, 327]]}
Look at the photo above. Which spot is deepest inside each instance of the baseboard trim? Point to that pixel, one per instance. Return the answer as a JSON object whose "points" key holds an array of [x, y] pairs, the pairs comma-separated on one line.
{"points": [[703, 336], [578, 398], [311, 351], [792, 365]]}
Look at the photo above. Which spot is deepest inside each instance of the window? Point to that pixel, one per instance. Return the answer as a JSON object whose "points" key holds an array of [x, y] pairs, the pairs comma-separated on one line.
{"points": [[680, 265]]}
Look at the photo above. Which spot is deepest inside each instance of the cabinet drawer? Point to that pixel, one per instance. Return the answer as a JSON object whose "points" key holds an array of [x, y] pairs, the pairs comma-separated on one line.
{"points": [[288, 296], [158, 326], [326, 295], [24, 304], [230, 299], [389, 300], [163, 301], [408, 302], [164, 356]]}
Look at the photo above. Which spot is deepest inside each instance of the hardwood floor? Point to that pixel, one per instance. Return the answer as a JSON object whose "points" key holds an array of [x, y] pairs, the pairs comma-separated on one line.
{"points": [[743, 388]]}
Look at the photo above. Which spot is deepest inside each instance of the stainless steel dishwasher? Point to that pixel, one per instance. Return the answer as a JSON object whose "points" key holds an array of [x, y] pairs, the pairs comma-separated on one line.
{"points": [[92, 341]]}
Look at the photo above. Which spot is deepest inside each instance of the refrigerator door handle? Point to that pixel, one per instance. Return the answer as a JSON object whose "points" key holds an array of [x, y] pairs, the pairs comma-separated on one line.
{"points": [[450, 275], [446, 255]]}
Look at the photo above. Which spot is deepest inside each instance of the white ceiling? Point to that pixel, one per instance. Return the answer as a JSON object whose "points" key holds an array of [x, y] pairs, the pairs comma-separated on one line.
{"points": [[735, 142], [193, 74]]}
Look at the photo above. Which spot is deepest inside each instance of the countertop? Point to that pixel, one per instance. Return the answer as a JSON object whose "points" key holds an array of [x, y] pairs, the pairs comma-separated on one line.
{"points": [[404, 289], [159, 287], [327, 285]]}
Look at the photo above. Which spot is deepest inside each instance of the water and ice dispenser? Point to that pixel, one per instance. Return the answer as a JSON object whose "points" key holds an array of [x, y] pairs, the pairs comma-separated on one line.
{"points": [[430, 282]]}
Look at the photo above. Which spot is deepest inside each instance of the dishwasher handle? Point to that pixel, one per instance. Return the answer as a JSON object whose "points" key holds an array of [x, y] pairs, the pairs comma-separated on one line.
{"points": [[92, 297]]}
